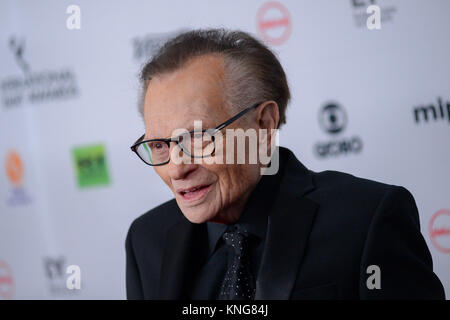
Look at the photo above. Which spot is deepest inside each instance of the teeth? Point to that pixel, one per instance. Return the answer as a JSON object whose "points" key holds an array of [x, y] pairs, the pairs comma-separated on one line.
{"points": [[190, 190]]}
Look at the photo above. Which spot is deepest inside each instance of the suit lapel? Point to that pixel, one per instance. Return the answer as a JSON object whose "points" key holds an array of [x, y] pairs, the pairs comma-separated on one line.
{"points": [[183, 255], [289, 225]]}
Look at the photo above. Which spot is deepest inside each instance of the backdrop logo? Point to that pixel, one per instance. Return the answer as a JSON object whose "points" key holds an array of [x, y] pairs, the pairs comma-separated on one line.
{"points": [[35, 86], [55, 272], [333, 121], [146, 46], [7, 286], [432, 112], [274, 23], [15, 173], [90, 165], [17, 47], [360, 14], [439, 229], [14, 168], [333, 118]]}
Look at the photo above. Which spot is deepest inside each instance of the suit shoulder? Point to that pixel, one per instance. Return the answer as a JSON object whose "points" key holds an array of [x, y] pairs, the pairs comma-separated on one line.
{"points": [[354, 194], [158, 219], [343, 183], [347, 202]]}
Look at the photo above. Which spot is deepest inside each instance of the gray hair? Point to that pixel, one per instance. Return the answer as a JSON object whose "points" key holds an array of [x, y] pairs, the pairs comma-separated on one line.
{"points": [[252, 71]]}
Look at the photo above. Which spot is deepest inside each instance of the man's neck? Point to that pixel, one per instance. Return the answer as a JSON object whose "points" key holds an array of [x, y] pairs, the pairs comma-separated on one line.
{"points": [[232, 213]]}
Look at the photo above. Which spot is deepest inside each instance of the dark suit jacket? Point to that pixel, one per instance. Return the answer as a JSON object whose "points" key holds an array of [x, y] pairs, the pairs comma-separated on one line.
{"points": [[324, 230]]}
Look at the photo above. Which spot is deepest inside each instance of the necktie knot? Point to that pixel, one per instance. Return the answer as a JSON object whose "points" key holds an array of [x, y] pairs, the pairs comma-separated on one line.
{"points": [[236, 238]]}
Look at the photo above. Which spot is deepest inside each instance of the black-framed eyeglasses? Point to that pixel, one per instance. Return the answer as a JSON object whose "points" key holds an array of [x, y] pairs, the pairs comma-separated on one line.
{"points": [[196, 144]]}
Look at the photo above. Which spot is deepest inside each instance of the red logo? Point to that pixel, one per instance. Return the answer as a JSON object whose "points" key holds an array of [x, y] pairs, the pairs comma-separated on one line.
{"points": [[274, 23], [439, 229], [6, 281]]}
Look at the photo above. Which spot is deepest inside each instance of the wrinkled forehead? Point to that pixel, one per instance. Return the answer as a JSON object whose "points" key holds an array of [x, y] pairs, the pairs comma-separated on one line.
{"points": [[174, 101]]}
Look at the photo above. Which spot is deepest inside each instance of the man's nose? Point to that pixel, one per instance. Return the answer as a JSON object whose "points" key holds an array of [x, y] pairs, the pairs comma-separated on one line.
{"points": [[182, 167]]}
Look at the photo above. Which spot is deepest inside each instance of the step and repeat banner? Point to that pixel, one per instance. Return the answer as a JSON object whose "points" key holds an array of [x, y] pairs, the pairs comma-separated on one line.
{"points": [[370, 82]]}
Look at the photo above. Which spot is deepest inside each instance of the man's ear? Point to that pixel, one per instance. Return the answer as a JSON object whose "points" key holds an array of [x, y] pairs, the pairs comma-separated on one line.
{"points": [[267, 119], [268, 115]]}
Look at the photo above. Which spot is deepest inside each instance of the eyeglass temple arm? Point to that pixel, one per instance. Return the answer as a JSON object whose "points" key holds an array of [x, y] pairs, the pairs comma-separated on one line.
{"points": [[218, 128], [240, 114]]}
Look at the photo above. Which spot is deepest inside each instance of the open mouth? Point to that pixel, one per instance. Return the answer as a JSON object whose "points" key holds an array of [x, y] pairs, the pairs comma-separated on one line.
{"points": [[195, 193]]}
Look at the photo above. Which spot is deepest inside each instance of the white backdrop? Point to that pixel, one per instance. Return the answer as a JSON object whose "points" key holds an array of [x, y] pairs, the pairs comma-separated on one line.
{"points": [[64, 90]]}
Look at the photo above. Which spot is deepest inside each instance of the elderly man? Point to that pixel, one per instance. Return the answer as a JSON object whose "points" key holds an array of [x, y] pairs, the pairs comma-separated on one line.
{"points": [[236, 231]]}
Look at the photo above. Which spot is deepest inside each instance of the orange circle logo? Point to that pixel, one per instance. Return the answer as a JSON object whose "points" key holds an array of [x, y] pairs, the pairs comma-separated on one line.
{"points": [[14, 168]]}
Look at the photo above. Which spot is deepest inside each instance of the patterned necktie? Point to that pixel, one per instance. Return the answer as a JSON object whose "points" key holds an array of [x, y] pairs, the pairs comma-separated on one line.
{"points": [[239, 283]]}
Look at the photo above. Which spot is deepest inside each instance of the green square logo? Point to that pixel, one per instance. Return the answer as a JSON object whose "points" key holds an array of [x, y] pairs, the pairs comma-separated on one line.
{"points": [[90, 166]]}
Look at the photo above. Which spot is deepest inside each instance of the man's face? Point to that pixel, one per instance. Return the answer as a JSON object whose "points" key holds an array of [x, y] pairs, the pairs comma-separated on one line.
{"points": [[204, 192]]}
